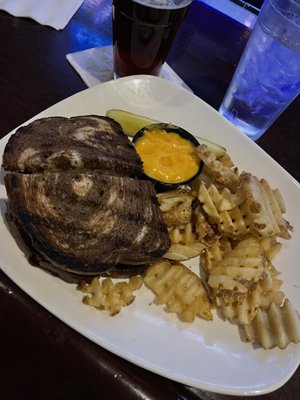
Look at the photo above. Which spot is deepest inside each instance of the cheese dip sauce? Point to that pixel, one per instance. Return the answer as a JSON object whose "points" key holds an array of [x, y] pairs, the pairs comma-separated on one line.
{"points": [[166, 156]]}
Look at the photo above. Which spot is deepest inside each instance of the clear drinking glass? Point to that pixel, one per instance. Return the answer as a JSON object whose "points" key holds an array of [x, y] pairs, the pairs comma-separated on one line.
{"points": [[267, 78], [143, 32]]}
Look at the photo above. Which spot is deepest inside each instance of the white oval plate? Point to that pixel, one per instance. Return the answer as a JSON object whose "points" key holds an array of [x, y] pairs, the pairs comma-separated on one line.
{"points": [[205, 355]]}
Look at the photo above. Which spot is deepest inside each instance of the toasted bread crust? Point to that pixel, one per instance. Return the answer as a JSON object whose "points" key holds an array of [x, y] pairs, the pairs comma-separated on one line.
{"points": [[82, 143]]}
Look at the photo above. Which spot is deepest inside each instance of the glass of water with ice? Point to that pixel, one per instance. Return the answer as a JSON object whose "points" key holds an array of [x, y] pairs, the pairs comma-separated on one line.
{"points": [[267, 78]]}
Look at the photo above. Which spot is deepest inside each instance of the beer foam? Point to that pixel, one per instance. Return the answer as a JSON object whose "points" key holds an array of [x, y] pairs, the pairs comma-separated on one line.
{"points": [[164, 4]]}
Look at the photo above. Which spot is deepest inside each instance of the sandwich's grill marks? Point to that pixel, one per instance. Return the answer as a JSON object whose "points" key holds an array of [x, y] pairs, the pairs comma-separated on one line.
{"points": [[112, 220], [80, 210]]}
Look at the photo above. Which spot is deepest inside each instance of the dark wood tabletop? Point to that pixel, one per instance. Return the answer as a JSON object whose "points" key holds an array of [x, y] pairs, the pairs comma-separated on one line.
{"points": [[41, 357]]}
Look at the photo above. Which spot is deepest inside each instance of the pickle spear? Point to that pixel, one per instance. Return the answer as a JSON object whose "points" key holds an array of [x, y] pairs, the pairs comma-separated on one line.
{"points": [[214, 147], [130, 122]]}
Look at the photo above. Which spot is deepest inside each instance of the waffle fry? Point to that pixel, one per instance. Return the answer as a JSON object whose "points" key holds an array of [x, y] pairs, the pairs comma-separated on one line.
{"points": [[264, 207], [226, 160], [183, 252], [229, 201], [186, 224], [241, 269], [253, 208], [230, 220], [180, 289], [106, 295], [223, 173], [270, 246], [267, 291], [181, 215], [218, 200], [182, 234], [172, 199], [205, 232], [276, 326]]}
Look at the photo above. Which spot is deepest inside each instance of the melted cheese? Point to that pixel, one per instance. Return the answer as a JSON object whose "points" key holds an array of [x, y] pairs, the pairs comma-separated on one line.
{"points": [[167, 156]]}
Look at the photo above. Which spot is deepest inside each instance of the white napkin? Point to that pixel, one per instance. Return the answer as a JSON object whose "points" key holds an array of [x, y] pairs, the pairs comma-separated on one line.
{"points": [[54, 13], [96, 65]]}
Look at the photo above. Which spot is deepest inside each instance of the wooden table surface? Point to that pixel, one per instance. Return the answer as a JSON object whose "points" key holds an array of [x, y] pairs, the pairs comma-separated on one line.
{"points": [[41, 357]]}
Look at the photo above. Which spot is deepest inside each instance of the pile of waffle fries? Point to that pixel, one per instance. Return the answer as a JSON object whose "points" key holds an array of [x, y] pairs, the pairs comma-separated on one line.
{"points": [[234, 222]]}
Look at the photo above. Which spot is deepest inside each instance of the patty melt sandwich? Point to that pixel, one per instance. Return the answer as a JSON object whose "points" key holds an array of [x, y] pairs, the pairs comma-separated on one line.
{"points": [[77, 205]]}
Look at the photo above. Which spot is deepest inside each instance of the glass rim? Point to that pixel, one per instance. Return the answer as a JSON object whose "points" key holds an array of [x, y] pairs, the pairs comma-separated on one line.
{"points": [[292, 7], [161, 4]]}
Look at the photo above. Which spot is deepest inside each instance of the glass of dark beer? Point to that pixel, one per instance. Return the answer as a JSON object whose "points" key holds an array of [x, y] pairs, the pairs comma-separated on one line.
{"points": [[143, 32]]}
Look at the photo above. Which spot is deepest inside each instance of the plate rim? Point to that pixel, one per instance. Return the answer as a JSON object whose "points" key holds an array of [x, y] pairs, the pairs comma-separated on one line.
{"points": [[232, 391]]}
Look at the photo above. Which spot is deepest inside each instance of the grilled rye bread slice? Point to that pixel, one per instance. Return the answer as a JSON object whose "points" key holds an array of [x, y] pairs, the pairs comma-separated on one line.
{"points": [[83, 143], [85, 223], [36, 259]]}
